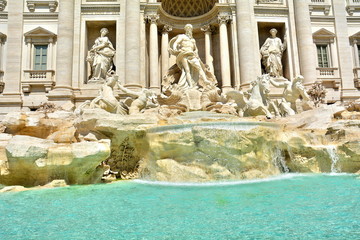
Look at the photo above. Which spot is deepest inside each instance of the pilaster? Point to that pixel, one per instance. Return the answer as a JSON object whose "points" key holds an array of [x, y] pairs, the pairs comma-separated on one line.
{"points": [[11, 98], [63, 91]]}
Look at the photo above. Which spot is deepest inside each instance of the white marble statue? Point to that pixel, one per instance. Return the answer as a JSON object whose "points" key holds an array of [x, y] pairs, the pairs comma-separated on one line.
{"points": [[258, 102], [194, 73], [293, 90], [106, 99], [271, 54], [139, 100], [101, 57]]}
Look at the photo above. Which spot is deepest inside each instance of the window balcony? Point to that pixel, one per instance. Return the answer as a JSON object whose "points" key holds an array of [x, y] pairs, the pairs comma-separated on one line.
{"points": [[39, 78], [352, 6], [320, 6], [329, 75]]}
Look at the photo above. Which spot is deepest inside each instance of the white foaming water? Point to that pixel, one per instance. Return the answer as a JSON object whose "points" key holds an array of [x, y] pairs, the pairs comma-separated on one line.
{"points": [[279, 161], [331, 150], [224, 183]]}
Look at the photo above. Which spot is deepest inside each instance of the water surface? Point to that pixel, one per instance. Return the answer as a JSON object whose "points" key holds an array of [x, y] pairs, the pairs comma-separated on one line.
{"points": [[289, 207]]}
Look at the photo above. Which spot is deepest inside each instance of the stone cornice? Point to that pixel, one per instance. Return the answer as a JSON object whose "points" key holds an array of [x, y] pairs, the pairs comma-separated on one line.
{"points": [[271, 11], [353, 19], [100, 9], [40, 15], [322, 18], [3, 15]]}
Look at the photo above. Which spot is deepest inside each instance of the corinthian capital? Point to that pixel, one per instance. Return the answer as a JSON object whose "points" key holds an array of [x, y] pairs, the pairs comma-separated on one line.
{"points": [[167, 28], [224, 18], [152, 18]]}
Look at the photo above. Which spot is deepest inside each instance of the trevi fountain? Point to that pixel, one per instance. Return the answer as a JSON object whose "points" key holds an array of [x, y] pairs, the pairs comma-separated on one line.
{"points": [[190, 162]]}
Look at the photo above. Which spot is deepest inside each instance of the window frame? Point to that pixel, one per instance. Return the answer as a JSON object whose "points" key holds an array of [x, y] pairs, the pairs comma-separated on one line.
{"points": [[43, 65]]}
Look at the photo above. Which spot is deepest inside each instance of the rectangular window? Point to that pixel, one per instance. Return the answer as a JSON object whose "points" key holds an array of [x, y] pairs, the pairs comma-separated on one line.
{"points": [[40, 57], [323, 56]]}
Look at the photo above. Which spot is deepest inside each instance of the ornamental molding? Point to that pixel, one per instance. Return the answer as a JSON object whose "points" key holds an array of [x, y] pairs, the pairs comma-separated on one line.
{"points": [[33, 4], [40, 15], [40, 35], [325, 8], [167, 28], [152, 18], [271, 11], [224, 18], [3, 4], [355, 38], [100, 9], [323, 36]]}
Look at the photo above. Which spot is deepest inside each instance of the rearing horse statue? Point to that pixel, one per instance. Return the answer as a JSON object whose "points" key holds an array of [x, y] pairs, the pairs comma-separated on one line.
{"points": [[258, 103]]}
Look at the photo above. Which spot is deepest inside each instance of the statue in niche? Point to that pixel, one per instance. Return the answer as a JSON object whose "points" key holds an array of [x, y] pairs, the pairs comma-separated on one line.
{"points": [[293, 90], [101, 57], [271, 54], [189, 72]]}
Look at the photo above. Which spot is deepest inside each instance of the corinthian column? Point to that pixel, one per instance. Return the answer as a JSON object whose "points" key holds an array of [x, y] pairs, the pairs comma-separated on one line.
{"points": [[132, 44], [224, 52], [307, 54], [64, 58], [154, 52], [208, 47], [164, 50], [246, 36]]}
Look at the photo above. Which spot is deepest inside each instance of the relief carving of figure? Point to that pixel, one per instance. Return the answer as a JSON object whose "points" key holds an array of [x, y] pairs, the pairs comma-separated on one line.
{"points": [[293, 90], [194, 73], [271, 54], [101, 57]]}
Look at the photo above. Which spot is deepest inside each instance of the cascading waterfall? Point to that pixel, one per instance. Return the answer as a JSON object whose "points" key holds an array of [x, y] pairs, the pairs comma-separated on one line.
{"points": [[279, 160], [331, 150]]}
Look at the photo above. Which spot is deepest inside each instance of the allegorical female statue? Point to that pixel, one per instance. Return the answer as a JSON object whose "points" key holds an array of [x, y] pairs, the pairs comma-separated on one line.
{"points": [[101, 57], [271, 53], [194, 73]]}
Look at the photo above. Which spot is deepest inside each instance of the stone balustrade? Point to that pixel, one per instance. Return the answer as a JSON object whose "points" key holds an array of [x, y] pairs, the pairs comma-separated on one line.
{"points": [[352, 6], [329, 74], [42, 78]]}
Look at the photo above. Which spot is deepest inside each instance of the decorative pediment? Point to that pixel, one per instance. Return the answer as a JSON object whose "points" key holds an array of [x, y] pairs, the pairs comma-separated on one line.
{"points": [[323, 35], [40, 34], [355, 38]]}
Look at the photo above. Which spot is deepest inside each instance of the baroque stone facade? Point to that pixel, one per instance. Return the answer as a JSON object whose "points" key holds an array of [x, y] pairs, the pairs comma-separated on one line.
{"points": [[44, 45]]}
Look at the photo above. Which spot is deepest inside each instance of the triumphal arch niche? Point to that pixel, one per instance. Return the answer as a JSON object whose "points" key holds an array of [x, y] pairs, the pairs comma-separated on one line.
{"points": [[214, 31]]}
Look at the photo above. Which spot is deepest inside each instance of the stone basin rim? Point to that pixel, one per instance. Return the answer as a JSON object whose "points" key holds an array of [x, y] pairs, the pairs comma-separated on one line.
{"points": [[215, 125]]}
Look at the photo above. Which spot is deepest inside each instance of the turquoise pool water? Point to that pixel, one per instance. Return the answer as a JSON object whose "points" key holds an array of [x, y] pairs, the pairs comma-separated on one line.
{"points": [[290, 207]]}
